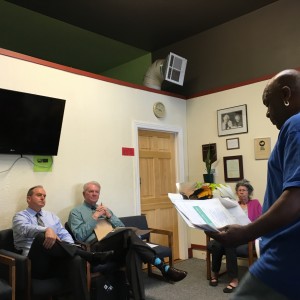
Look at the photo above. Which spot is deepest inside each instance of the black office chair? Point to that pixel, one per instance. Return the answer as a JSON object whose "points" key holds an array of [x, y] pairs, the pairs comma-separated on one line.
{"points": [[140, 221], [27, 287], [7, 278]]}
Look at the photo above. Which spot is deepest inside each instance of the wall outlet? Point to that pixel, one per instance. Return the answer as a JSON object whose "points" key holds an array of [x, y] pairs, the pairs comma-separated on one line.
{"points": [[42, 163]]}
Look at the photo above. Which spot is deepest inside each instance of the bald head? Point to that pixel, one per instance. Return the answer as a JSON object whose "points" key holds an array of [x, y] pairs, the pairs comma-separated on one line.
{"points": [[282, 96]]}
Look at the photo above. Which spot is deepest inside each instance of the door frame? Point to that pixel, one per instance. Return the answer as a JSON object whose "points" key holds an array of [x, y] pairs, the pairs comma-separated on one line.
{"points": [[179, 164]]}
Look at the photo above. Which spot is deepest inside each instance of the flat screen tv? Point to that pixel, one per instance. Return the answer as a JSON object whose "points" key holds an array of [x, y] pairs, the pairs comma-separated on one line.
{"points": [[30, 124]]}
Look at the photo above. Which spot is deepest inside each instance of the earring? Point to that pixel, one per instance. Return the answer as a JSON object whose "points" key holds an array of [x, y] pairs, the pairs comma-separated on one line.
{"points": [[286, 103]]}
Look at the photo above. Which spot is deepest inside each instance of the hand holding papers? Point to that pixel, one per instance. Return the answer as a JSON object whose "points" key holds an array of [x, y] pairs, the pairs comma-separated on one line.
{"points": [[209, 214]]}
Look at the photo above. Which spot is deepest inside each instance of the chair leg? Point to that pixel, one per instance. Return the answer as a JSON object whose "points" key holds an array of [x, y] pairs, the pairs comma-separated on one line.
{"points": [[149, 269], [208, 260], [208, 265], [171, 261]]}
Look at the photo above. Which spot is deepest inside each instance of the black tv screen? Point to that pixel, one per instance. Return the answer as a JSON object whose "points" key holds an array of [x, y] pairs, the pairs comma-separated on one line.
{"points": [[30, 124]]}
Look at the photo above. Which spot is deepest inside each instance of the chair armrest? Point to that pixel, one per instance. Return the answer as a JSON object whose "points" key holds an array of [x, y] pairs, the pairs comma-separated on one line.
{"points": [[9, 261], [20, 259], [16, 256], [168, 233], [23, 269]]}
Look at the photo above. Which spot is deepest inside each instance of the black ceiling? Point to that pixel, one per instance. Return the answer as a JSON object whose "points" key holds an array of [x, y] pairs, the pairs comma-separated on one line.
{"points": [[146, 24]]}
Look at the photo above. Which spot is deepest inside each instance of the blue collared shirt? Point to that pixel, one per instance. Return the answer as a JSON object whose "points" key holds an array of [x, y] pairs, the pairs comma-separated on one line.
{"points": [[25, 228]]}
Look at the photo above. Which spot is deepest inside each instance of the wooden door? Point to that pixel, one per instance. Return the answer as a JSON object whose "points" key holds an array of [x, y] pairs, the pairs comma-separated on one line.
{"points": [[157, 179]]}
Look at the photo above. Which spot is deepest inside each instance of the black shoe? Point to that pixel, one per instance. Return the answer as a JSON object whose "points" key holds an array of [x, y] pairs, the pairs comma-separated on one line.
{"points": [[174, 274], [99, 257]]}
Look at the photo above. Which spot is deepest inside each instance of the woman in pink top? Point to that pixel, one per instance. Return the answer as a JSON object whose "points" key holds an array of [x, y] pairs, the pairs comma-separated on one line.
{"points": [[252, 208]]}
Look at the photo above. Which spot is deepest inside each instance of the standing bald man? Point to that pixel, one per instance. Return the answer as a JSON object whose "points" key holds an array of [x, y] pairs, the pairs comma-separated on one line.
{"points": [[275, 275]]}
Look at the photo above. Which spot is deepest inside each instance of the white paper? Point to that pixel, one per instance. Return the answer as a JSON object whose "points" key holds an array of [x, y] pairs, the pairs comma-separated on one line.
{"points": [[151, 245], [239, 216], [187, 221], [208, 214], [228, 203], [225, 191]]}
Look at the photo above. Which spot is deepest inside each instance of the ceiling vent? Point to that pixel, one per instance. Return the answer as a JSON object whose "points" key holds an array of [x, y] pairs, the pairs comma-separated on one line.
{"points": [[174, 68], [171, 69]]}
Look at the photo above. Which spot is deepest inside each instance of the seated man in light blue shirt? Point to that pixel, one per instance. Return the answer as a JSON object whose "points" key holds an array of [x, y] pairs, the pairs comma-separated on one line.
{"points": [[40, 235]]}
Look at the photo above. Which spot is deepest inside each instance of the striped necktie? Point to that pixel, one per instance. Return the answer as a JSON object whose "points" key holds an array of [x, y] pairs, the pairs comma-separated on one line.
{"points": [[39, 220]]}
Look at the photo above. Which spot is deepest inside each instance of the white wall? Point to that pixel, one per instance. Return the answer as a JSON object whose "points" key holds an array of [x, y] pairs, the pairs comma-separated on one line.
{"points": [[202, 129], [98, 121]]}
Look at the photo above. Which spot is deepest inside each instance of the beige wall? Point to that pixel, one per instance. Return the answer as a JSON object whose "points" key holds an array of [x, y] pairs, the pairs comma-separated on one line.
{"points": [[202, 129], [100, 118]]}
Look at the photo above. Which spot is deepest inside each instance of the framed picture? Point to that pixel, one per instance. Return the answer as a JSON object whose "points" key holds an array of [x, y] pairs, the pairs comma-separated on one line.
{"points": [[232, 120], [233, 168], [262, 148], [233, 143], [213, 151]]}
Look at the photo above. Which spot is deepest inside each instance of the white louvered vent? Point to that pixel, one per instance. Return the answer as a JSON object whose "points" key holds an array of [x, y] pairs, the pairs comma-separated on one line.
{"points": [[174, 68], [170, 69]]}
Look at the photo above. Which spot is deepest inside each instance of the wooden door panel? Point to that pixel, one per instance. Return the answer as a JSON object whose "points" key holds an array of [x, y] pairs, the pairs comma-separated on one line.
{"points": [[157, 179], [147, 189], [165, 186]]}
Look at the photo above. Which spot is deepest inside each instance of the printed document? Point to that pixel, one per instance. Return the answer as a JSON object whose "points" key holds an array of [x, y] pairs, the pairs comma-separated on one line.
{"points": [[209, 214], [104, 229]]}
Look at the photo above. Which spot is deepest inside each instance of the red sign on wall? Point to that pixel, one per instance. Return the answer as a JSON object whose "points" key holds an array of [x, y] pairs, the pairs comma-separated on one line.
{"points": [[127, 151]]}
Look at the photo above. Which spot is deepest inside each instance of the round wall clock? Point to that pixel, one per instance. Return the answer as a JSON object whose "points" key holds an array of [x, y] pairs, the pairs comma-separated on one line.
{"points": [[159, 109]]}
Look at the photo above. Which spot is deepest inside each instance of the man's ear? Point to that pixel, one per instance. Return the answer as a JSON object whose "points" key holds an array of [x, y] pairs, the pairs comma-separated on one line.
{"points": [[287, 93]]}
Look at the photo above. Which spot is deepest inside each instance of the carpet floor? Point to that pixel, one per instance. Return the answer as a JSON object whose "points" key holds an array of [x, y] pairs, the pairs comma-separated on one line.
{"points": [[194, 286]]}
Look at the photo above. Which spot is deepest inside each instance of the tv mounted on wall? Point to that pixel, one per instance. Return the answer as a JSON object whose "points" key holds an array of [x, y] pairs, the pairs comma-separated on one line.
{"points": [[30, 124]]}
